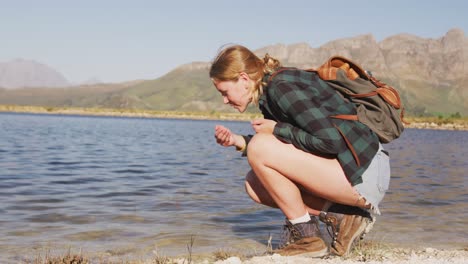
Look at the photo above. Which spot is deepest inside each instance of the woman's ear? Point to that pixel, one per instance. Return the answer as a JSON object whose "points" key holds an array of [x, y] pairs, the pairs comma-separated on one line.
{"points": [[245, 78]]}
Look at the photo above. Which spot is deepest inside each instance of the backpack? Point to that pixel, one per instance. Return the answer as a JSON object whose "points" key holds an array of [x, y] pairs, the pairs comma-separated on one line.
{"points": [[378, 105]]}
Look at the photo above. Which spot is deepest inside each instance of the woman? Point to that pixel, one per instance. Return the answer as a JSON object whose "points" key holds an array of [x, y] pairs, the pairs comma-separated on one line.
{"points": [[300, 157]]}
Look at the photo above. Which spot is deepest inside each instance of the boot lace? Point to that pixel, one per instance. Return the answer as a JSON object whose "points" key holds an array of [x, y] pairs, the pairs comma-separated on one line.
{"points": [[332, 226]]}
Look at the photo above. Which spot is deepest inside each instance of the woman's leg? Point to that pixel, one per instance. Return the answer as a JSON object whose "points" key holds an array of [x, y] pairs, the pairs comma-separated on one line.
{"points": [[259, 194], [281, 168]]}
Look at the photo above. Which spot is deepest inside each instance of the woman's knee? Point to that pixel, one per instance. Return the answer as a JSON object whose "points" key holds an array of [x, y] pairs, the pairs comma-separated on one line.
{"points": [[258, 146]]}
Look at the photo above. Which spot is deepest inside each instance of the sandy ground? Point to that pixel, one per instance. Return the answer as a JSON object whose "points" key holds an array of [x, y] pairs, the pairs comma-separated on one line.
{"points": [[428, 255], [379, 256], [372, 256]]}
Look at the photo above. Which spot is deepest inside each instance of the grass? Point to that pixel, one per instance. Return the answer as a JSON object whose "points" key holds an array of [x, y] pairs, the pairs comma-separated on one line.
{"points": [[46, 257], [363, 251], [457, 121], [67, 258], [368, 251]]}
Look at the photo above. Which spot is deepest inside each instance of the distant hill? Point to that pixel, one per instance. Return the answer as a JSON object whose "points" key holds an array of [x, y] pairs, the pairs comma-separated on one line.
{"points": [[96, 95], [21, 73], [430, 73]]}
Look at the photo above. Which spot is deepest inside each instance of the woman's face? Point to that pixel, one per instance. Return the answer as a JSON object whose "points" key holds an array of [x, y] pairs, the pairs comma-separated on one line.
{"points": [[236, 93]]}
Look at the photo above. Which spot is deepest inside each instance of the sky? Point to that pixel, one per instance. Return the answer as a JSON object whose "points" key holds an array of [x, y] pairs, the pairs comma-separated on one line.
{"points": [[116, 41]]}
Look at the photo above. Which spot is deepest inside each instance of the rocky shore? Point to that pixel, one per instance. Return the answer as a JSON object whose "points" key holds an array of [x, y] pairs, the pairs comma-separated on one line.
{"points": [[441, 126]]}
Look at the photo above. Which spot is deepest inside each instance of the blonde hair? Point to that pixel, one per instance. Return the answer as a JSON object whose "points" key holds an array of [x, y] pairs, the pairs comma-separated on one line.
{"points": [[233, 60]]}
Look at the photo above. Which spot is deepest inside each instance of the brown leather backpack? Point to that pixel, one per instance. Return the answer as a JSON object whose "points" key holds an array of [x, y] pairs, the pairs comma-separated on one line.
{"points": [[378, 105]]}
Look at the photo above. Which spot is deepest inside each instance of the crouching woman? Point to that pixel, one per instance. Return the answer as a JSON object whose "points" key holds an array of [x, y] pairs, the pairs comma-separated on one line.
{"points": [[309, 165]]}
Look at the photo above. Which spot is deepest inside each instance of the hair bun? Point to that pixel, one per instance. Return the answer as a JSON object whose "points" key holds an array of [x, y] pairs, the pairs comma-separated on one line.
{"points": [[271, 64]]}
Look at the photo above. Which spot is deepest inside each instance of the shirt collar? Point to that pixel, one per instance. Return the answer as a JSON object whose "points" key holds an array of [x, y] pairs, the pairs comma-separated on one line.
{"points": [[266, 78]]}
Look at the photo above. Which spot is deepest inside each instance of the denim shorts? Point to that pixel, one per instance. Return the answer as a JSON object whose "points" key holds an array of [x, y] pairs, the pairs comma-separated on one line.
{"points": [[375, 180]]}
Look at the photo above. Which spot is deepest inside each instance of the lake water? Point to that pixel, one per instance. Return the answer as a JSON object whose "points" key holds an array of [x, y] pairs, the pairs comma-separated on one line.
{"points": [[128, 186]]}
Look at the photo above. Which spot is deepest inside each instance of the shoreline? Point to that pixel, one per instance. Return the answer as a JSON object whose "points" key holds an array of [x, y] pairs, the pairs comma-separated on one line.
{"points": [[108, 112], [414, 122], [363, 252]]}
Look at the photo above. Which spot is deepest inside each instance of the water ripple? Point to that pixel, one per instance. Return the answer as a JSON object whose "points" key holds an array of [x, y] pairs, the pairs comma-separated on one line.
{"points": [[132, 171], [45, 201], [64, 163], [146, 182]]}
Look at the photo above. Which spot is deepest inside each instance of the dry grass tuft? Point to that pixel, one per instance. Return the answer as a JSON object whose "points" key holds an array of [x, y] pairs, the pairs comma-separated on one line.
{"points": [[223, 254], [369, 251], [68, 258], [158, 258]]}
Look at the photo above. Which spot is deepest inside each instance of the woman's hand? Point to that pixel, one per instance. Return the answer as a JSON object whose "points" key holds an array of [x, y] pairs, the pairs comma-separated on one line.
{"points": [[226, 138], [263, 125]]}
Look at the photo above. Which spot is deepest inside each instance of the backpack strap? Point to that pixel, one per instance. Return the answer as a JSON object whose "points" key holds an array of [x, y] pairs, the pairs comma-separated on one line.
{"points": [[329, 69], [349, 145], [346, 117]]}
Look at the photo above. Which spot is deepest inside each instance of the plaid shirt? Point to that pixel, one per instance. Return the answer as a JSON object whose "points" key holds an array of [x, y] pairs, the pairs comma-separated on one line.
{"points": [[302, 104]]}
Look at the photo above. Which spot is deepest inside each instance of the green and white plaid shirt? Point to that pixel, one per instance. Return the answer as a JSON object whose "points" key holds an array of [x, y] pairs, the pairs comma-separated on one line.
{"points": [[302, 104]]}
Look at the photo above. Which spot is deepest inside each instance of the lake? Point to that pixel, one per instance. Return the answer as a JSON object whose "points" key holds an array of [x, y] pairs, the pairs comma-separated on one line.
{"points": [[130, 187]]}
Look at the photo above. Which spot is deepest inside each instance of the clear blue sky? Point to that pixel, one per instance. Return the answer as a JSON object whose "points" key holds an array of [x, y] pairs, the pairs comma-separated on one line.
{"points": [[126, 40]]}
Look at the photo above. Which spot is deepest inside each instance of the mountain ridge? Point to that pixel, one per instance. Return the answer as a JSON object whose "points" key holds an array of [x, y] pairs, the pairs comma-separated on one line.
{"points": [[431, 75]]}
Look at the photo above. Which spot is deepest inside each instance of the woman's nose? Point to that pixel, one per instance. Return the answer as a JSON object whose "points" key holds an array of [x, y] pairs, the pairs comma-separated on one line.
{"points": [[225, 100]]}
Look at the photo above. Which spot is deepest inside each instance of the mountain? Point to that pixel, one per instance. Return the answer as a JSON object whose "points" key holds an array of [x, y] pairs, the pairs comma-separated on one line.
{"points": [[431, 75], [21, 73]]}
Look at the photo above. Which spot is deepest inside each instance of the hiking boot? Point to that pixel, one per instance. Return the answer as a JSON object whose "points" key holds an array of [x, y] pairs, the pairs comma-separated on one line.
{"points": [[302, 239], [345, 224]]}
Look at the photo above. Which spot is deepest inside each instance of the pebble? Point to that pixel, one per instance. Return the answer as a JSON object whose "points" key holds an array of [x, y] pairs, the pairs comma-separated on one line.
{"points": [[429, 250]]}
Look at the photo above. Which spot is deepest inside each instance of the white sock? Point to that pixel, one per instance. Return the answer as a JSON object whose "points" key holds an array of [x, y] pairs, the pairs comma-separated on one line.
{"points": [[303, 219]]}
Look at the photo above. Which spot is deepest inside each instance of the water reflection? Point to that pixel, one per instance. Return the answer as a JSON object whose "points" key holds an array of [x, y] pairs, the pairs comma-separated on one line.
{"points": [[427, 202]]}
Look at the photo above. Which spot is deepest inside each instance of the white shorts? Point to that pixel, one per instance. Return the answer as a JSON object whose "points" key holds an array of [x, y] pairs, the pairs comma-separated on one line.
{"points": [[375, 180]]}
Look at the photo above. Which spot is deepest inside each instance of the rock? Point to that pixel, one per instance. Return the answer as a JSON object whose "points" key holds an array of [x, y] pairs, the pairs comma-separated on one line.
{"points": [[429, 250]]}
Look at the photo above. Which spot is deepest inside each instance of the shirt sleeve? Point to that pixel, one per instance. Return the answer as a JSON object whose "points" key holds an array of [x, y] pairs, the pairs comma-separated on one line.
{"points": [[308, 126]]}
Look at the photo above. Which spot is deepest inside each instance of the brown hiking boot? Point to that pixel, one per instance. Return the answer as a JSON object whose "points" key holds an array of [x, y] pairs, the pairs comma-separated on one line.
{"points": [[347, 223], [302, 239]]}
